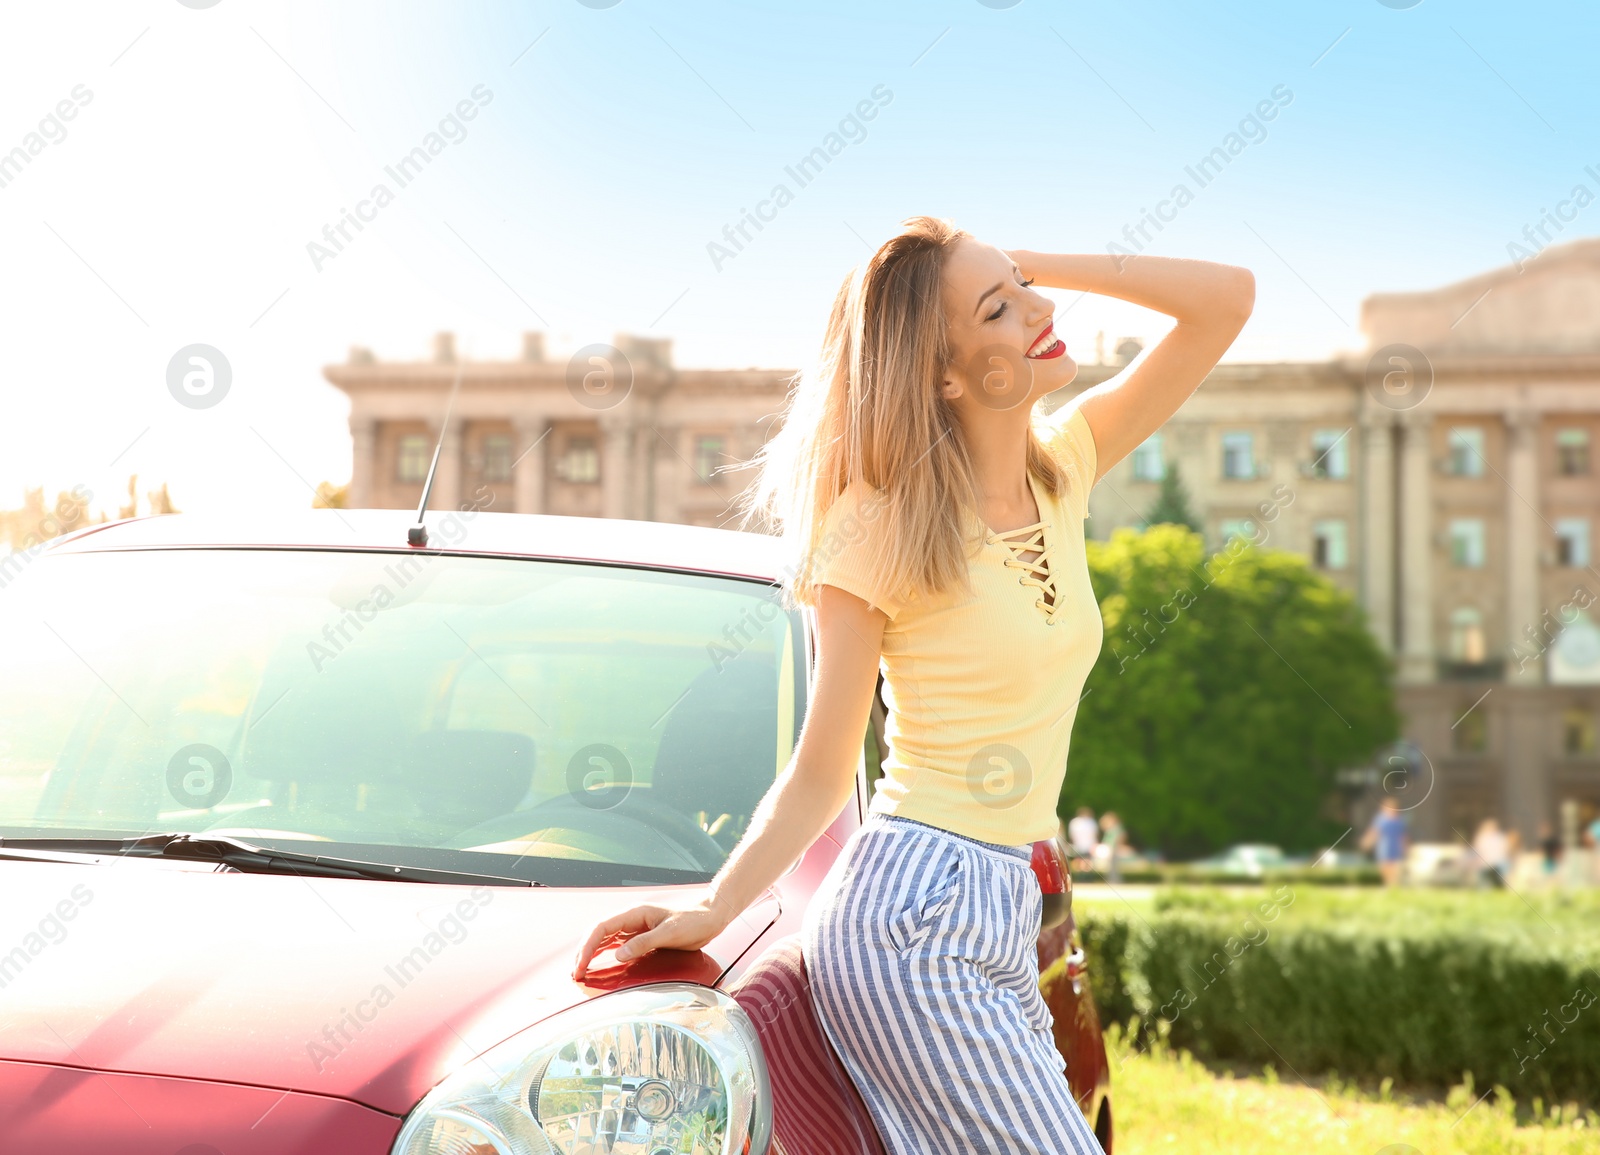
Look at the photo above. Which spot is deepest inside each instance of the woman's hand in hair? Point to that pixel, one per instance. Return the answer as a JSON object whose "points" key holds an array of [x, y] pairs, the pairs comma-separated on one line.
{"points": [[1211, 303]]}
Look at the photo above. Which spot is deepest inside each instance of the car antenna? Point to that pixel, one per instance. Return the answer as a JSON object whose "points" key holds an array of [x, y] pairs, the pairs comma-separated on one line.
{"points": [[418, 534]]}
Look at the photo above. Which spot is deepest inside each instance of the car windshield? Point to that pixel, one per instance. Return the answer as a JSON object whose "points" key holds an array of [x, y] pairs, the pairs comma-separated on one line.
{"points": [[569, 723]]}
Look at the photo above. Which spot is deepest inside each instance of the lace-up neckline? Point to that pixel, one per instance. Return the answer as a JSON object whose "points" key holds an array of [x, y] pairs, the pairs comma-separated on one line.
{"points": [[1028, 550]]}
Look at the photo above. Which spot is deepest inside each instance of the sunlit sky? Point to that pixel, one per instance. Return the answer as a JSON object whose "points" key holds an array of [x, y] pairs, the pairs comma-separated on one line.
{"points": [[610, 146]]}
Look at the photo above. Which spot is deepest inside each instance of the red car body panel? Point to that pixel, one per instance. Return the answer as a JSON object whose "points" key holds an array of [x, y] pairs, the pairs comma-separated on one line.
{"points": [[271, 981], [190, 1010], [69, 1111], [816, 1108]]}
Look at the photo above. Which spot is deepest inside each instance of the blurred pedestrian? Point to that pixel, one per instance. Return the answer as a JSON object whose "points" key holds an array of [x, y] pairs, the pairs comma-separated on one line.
{"points": [[1388, 839], [1112, 838], [1493, 849], [1550, 845], [1591, 840], [1083, 833]]}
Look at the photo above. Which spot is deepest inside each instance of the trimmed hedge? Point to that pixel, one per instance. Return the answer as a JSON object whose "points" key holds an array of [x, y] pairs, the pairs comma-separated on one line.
{"points": [[1418, 987], [1183, 875]]}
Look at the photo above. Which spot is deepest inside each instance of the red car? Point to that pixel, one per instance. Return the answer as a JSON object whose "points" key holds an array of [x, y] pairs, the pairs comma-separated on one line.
{"points": [[301, 826]]}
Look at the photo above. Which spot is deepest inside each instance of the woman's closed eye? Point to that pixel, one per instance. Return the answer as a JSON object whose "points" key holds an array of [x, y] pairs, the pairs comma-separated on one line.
{"points": [[995, 316]]}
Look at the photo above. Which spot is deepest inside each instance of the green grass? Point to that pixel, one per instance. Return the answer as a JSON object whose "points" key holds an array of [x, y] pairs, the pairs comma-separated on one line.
{"points": [[1167, 1101]]}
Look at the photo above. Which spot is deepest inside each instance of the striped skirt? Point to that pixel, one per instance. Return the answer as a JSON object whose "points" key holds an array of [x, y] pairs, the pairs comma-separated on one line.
{"points": [[921, 949]]}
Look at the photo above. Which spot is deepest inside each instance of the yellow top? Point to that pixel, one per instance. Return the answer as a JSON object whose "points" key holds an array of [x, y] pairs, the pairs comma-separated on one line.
{"points": [[982, 688]]}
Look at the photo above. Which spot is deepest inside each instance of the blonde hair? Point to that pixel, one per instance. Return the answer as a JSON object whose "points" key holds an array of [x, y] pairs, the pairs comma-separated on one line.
{"points": [[872, 409]]}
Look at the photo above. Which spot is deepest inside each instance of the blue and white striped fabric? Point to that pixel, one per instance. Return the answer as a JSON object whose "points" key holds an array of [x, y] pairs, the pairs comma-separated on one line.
{"points": [[921, 948]]}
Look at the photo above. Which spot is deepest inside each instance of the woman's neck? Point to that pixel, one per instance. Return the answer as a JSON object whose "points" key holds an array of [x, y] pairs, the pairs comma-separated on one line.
{"points": [[998, 451]]}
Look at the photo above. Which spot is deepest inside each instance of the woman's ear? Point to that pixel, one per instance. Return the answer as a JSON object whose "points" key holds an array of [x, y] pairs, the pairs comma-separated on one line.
{"points": [[950, 390]]}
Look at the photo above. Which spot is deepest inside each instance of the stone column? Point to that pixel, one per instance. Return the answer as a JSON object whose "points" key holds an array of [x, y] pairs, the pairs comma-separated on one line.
{"points": [[666, 498], [615, 441], [446, 493], [1525, 782], [1416, 537], [533, 443], [1522, 540], [1377, 524], [641, 454], [687, 487], [363, 461]]}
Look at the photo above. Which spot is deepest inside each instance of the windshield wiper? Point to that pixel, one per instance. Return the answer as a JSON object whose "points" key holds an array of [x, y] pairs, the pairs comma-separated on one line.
{"points": [[253, 859]]}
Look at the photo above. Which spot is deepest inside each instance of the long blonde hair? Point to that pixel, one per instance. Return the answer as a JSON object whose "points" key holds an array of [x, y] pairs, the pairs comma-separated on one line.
{"points": [[871, 408]]}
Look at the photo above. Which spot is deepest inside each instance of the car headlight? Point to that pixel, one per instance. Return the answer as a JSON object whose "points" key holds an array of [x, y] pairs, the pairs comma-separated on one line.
{"points": [[664, 1069]]}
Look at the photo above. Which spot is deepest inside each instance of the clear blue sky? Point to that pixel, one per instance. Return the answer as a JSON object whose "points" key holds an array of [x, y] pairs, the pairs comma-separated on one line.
{"points": [[617, 143]]}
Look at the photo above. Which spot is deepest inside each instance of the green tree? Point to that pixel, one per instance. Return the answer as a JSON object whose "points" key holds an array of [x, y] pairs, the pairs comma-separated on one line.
{"points": [[1228, 692], [1172, 503]]}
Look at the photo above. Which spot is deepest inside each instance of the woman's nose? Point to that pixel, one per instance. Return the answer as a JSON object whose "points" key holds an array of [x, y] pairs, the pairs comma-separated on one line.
{"points": [[1040, 308]]}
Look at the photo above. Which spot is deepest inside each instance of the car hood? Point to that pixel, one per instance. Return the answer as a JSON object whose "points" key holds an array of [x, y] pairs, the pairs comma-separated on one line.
{"points": [[362, 990]]}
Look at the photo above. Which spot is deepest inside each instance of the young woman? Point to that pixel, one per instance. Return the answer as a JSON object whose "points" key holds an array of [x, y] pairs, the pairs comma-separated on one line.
{"points": [[938, 525]]}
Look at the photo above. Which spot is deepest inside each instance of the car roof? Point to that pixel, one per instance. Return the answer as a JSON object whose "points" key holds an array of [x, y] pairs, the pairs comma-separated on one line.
{"points": [[654, 544]]}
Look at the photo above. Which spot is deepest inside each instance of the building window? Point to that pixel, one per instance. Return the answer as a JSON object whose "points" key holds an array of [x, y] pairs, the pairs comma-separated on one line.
{"points": [[1466, 636], [412, 464], [1577, 731], [1238, 455], [581, 462], [1330, 544], [1148, 464], [1466, 451], [1470, 734], [709, 455], [1243, 527], [1330, 453], [497, 457], [1572, 541], [1466, 542], [1572, 452]]}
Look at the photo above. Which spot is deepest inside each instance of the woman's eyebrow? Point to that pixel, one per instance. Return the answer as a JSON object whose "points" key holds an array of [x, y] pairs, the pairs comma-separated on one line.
{"points": [[995, 288], [992, 289]]}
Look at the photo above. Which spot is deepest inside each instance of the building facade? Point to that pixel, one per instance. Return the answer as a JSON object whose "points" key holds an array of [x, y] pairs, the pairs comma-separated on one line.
{"points": [[1447, 477], [614, 431]]}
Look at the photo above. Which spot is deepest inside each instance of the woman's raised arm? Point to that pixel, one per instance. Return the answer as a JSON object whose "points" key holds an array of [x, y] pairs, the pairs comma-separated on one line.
{"points": [[799, 806], [1211, 302]]}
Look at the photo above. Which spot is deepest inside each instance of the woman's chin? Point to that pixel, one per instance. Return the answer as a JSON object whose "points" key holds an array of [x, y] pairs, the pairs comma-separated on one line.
{"points": [[1054, 374]]}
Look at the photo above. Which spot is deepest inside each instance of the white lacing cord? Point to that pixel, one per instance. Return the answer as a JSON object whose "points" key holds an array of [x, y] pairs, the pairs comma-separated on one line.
{"points": [[1038, 570]]}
